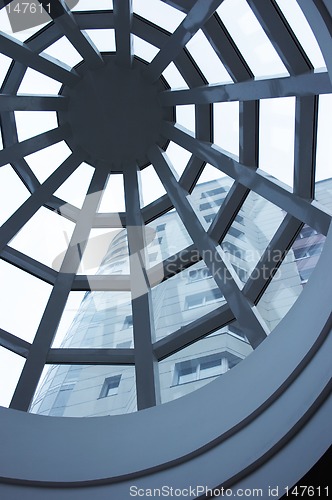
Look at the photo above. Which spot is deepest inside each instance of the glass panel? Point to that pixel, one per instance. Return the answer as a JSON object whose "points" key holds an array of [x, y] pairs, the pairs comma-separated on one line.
{"points": [[31, 123], [143, 49], [10, 184], [151, 186], [184, 298], [174, 78], [291, 276], [113, 197], [44, 162], [74, 189], [103, 39], [251, 39], [185, 116], [302, 30], [200, 363], [23, 300], [178, 157], [11, 366], [276, 138], [85, 391], [324, 150], [250, 234], [159, 13], [168, 236], [35, 83], [207, 197], [226, 126], [44, 237], [64, 51], [4, 67], [106, 252], [207, 60], [101, 320], [93, 5]]}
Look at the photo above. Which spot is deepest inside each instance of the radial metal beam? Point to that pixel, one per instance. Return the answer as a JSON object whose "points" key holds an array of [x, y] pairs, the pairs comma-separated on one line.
{"points": [[223, 273], [17, 151], [306, 117], [31, 266], [302, 85], [104, 283], [123, 18], [14, 344], [195, 19], [32, 103], [24, 213], [146, 365], [312, 213], [44, 64], [34, 365], [65, 21], [196, 330], [105, 357], [281, 36], [272, 258]]}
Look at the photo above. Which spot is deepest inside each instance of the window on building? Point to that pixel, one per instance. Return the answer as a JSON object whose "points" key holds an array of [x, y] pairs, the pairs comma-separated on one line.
{"points": [[161, 227], [239, 219], [307, 231], [199, 274], [236, 232], [213, 192], [233, 249], [202, 298], [124, 345], [110, 386], [209, 217], [204, 367], [128, 322], [153, 256], [61, 400]]}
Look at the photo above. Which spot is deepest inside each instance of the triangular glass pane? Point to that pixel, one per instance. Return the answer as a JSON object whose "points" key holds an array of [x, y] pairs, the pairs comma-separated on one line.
{"points": [[178, 156], [165, 236], [183, 298], [251, 39], [5, 62], [226, 126], [13, 193], [74, 189], [277, 137], [207, 59], [251, 233], [64, 51], [302, 30], [23, 300], [291, 276], [31, 123], [151, 186], [209, 194], [11, 366], [36, 83], [44, 237], [45, 161], [113, 196]]}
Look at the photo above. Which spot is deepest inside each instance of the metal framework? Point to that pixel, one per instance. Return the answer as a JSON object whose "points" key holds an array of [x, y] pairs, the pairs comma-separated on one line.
{"points": [[299, 204]]}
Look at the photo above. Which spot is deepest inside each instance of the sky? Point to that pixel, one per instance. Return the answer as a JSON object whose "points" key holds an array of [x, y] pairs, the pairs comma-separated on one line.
{"points": [[22, 297]]}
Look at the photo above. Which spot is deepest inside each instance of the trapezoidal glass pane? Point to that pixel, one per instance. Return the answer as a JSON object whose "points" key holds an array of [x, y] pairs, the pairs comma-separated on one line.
{"points": [[324, 151], [10, 183], [23, 300], [85, 391], [101, 320]]}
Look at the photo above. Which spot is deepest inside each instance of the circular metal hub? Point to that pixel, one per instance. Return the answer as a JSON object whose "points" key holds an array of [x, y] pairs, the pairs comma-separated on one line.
{"points": [[115, 114]]}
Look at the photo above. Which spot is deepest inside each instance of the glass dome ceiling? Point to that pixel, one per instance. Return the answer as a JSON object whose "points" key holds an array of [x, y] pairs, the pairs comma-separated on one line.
{"points": [[115, 118]]}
